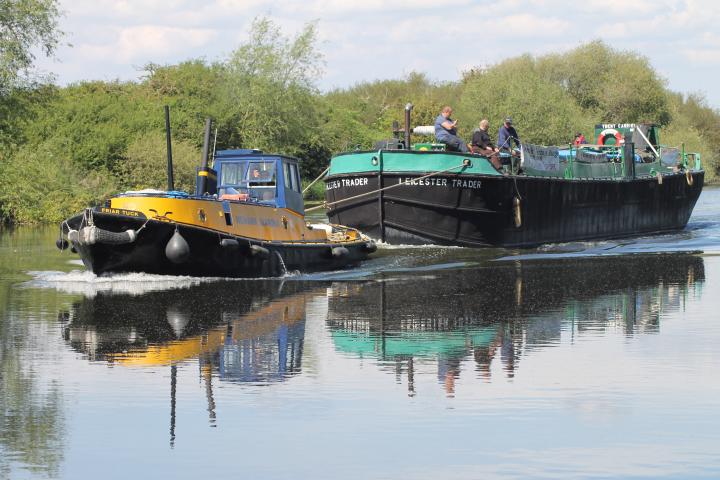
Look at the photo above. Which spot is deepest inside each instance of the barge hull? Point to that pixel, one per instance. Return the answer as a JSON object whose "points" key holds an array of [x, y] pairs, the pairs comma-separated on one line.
{"points": [[482, 210]]}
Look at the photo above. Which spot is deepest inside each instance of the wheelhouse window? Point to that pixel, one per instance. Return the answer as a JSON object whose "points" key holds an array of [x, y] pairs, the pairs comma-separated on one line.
{"points": [[296, 175], [261, 180], [232, 173], [291, 180]]}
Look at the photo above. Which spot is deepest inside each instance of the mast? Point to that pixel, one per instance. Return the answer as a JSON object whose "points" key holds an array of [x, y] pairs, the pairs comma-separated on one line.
{"points": [[170, 179]]}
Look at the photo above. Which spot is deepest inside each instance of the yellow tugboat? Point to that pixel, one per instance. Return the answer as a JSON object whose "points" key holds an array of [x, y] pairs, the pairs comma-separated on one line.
{"points": [[245, 219]]}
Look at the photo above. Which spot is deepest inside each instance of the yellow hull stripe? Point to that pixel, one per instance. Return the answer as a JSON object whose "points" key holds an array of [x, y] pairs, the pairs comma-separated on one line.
{"points": [[252, 325], [263, 223]]}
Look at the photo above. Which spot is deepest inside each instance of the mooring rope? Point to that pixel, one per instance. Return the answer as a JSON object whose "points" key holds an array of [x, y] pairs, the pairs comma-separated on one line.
{"points": [[465, 163], [318, 178]]}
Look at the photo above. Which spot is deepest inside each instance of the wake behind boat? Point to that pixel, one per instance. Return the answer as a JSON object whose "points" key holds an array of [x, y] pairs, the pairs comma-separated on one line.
{"points": [[625, 185], [245, 219]]}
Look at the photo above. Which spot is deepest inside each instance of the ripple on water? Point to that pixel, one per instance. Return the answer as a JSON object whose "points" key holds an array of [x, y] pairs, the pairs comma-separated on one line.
{"points": [[88, 284]]}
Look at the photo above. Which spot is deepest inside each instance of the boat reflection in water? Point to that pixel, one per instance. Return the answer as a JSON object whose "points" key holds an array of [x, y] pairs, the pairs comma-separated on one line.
{"points": [[486, 318], [250, 332], [505, 310]]}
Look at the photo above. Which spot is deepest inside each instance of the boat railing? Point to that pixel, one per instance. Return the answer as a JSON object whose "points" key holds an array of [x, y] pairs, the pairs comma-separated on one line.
{"points": [[600, 161]]}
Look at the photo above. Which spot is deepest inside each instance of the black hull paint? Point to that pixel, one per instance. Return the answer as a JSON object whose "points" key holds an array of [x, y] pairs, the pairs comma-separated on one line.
{"points": [[208, 258], [443, 211]]}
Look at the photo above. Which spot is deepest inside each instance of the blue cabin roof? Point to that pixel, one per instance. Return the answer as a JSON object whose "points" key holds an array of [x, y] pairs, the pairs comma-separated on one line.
{"points": [[236, 152]]}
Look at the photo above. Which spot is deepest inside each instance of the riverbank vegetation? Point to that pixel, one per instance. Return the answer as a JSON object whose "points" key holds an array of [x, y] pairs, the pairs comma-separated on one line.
{"points": [[62, 148]]}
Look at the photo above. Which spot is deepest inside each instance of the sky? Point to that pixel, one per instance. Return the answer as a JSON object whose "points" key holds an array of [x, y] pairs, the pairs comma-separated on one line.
{"points": [[381, 39]]}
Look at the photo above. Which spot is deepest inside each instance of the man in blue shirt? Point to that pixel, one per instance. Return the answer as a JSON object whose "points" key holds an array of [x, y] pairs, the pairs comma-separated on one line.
{"points": [[446, 132], [507, 135]]}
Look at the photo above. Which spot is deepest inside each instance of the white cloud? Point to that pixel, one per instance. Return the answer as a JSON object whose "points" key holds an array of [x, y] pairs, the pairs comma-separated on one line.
{"points": [[386, 39], [703, 56], [393, 10], [147, 40], [528, 25], [619, 9], [143, 43]]}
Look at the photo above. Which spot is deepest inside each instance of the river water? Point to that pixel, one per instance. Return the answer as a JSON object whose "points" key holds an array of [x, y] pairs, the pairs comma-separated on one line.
{"points": [[583, 360]]}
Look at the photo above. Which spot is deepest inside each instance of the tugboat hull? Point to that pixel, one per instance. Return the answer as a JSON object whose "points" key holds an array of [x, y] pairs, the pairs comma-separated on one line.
{"points": [[208, 253]]}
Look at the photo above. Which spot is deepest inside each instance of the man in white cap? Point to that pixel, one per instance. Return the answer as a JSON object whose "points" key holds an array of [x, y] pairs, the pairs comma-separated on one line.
{"points": [[507, 135]]}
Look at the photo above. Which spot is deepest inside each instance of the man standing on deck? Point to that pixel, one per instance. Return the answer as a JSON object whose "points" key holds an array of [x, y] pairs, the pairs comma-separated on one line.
{"points": [[507, 135], [445, 132]]}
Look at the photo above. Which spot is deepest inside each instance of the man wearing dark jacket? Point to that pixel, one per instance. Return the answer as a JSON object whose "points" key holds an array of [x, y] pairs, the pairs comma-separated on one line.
{"points": [[507, 135], [482, 144]]}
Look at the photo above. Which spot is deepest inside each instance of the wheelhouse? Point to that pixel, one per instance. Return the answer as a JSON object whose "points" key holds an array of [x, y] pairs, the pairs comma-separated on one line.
{"points": [[643, 134], [254, 177]]}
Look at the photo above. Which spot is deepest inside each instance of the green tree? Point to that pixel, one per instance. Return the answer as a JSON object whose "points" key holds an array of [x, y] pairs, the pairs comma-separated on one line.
{"points": [[25, 24], [93, 122], [38, 185], [375, 105], [542, 110], [696, 126], [615, 86], [268, 93], [145, 164], [192, 90]]}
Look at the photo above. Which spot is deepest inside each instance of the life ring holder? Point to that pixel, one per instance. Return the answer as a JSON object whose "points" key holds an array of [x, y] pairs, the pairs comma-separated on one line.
{"points": [[689, 178], [610, 131]]}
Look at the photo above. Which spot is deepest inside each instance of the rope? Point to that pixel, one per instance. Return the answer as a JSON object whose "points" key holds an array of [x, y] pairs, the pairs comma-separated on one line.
{"points": [[465, 163], [318, 178], [648, 142], [516, 188], [143, 226]]}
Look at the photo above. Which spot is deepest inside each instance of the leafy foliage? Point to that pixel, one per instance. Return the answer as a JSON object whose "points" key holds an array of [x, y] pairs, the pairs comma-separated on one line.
{"points": [[145, 163], [542, 112], [268, 97], [36, 185], [614, 86], [82, 142], [25, 24]]}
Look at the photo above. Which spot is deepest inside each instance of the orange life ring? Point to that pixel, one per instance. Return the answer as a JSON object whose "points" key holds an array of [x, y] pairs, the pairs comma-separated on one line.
{"points": [[610, 132]]}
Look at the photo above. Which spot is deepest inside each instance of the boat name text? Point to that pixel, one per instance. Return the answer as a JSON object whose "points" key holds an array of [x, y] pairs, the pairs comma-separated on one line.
{"points": [[265, 222], [617, 125], [424, 182], [120, 211], [441, 182], [347, 182]]}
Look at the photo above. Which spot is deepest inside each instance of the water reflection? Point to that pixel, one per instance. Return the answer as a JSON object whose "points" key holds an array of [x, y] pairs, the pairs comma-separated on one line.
{"points": [[504, 311], [249, 332], [33, 421], [484, 319], [32, 416]]}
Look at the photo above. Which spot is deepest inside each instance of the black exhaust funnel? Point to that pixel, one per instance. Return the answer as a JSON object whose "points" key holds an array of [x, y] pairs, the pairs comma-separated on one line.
{"points": [[408, 109], [202, 179]]}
